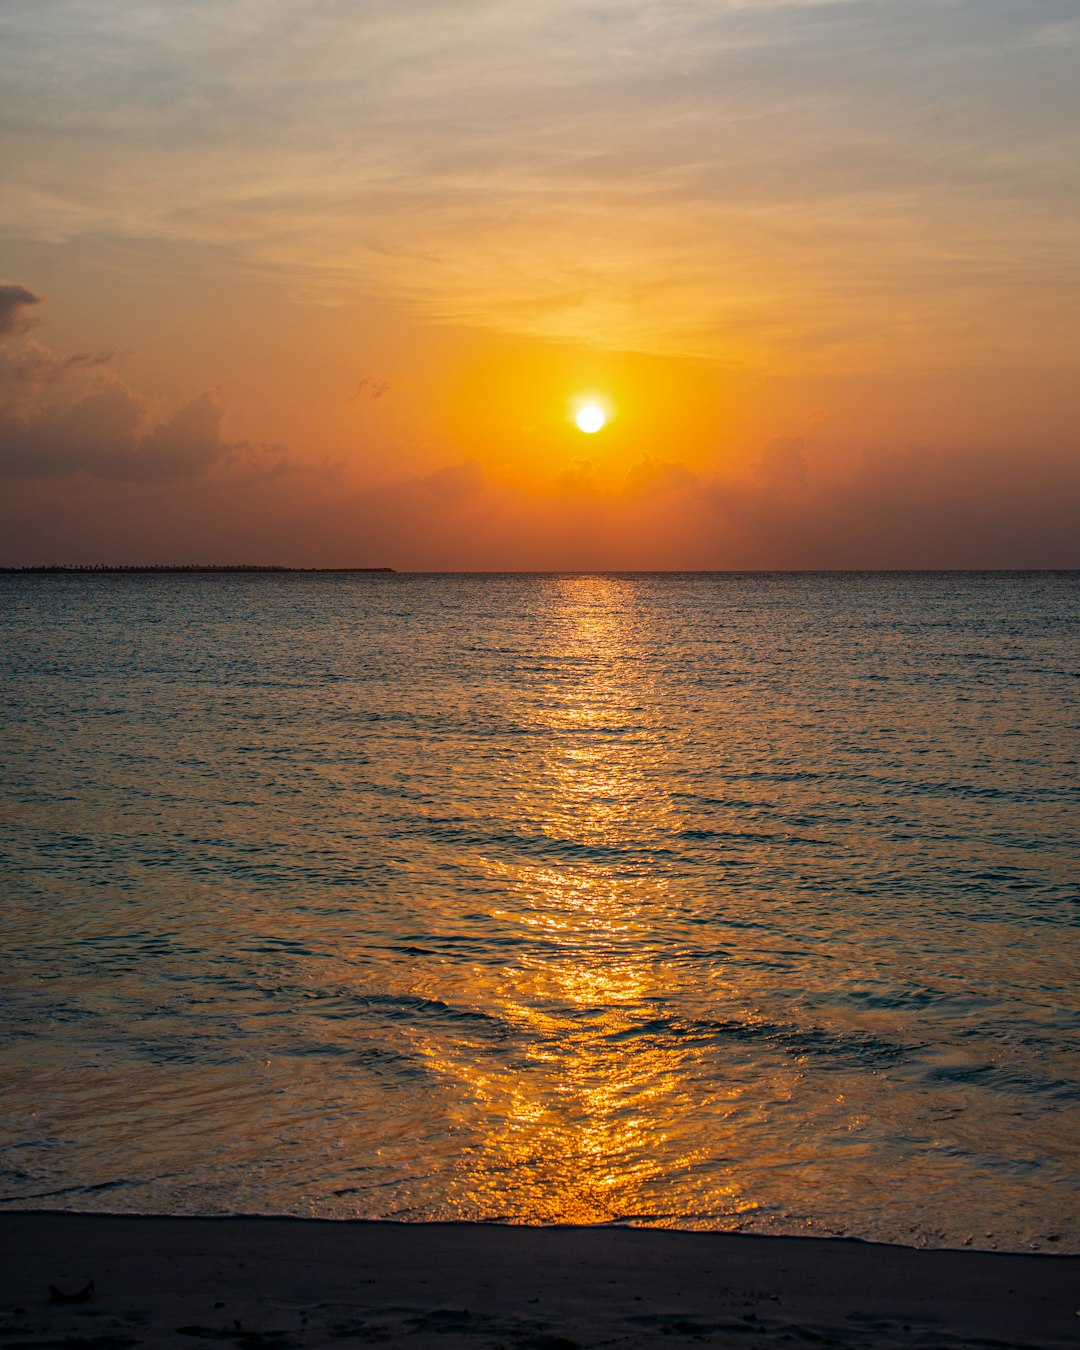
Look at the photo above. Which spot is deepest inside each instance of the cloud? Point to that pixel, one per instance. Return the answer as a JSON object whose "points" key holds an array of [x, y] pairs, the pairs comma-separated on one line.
{"points": [[99, 435], [38, 365], [26, 371], [812, 184], [68, 415], [184, 445], [372, 386], [818, 506], [13, 300], [579, 476], [31, 373], [924, 507], [655, 477]]}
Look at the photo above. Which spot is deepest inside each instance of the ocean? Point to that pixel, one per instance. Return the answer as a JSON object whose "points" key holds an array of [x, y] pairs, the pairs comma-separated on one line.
{"points": [[725, 901]]}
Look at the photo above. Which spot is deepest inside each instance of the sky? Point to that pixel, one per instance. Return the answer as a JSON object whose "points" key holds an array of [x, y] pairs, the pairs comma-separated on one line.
{"points": [[325, 282]]}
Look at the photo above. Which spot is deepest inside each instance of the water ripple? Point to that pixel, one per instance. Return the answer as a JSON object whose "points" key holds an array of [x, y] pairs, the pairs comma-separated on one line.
{"points": [[715, 901]]}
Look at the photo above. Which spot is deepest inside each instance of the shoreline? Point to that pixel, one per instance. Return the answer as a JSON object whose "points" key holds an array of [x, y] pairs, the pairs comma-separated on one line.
{"points": [[266, 1282]]}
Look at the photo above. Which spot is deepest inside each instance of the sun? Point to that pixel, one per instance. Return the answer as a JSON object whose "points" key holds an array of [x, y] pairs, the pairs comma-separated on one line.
{"points": [[590, 418]]}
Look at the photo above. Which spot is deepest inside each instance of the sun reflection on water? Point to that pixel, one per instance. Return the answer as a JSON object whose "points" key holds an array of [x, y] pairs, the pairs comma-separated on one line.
{"points": [[583, 1125]]}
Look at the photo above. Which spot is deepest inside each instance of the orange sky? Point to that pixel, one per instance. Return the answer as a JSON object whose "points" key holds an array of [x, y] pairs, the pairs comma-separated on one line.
{"points": [[321, 284]]}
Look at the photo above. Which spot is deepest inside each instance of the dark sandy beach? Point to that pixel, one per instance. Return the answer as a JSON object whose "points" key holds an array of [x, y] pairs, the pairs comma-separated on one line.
{"points": [[261, 1284]]}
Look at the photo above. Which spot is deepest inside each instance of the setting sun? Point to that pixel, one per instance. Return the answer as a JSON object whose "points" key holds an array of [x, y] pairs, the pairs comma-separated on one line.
{"points": [[590, 418]]}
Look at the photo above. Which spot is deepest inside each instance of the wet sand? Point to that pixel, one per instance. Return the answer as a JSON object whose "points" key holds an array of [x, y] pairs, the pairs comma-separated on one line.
{"points": [[275, 1284]]}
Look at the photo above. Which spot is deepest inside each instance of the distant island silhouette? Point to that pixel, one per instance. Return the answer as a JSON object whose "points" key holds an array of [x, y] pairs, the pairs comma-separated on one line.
{"points": [[99, 568]]}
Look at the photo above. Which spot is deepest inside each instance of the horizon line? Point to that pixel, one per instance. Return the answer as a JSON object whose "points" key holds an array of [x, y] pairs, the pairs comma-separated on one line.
{"points": [[274, 569]]}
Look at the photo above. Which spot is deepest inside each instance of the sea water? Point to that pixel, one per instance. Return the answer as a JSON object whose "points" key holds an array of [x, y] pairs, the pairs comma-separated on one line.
{"points": [[707, 901]]}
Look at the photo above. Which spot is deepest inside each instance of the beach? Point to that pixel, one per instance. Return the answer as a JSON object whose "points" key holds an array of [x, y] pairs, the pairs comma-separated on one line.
{"points": [[277, 1283]]}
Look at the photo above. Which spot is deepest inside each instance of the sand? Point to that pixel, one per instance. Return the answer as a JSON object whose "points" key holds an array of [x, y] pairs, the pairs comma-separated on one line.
{"points": [[273, 1284]]}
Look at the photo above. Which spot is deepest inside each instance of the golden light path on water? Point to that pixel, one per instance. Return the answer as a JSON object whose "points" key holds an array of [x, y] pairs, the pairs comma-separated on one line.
{"points": [[579, 1131]]}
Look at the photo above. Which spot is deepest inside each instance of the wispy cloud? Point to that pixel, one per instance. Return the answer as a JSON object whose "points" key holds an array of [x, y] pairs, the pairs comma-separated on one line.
{"points": [[370, 386], [791, 181]]}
